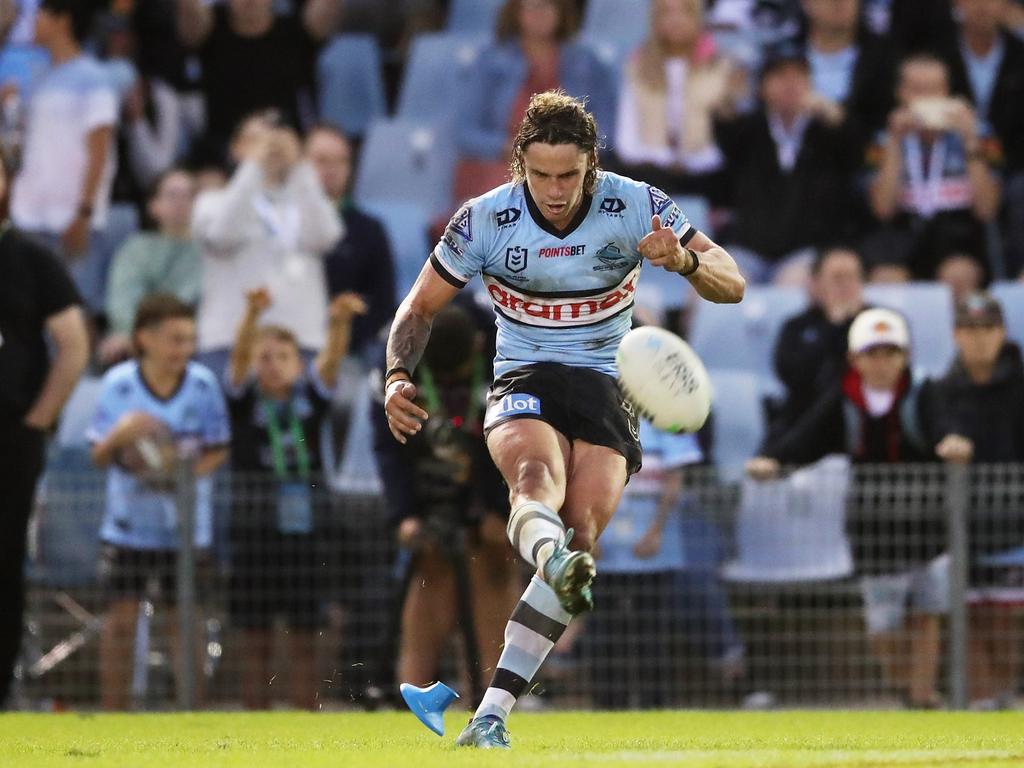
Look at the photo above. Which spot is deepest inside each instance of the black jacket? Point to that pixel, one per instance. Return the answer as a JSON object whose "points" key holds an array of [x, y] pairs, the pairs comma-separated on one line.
{"points": [[777, 212], [810, 358], [871, 98], [1006, 107], [362, 262], [991, 415]]}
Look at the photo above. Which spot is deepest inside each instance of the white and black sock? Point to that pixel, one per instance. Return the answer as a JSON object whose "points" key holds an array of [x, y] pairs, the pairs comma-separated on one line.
{"points": [[534, 530]]}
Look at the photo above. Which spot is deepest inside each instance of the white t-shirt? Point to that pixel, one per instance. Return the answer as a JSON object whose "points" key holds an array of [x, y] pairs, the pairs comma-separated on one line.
{"points": [[70, 101]]}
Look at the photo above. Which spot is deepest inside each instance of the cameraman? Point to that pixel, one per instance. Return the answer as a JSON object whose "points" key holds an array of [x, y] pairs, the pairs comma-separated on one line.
{"points": [[450, 507]]}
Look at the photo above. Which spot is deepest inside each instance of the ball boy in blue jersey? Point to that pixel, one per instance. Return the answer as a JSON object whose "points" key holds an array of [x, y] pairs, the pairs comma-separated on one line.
{"points": [[161, 391], [559, 249]]}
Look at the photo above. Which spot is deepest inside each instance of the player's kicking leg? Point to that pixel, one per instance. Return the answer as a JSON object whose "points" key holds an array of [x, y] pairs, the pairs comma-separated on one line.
{"points": [[546, 475]]}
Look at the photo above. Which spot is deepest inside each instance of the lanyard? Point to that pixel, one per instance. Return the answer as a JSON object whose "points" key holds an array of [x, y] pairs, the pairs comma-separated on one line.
{"points": [[433, 400], [277, 444], [925, 193]]}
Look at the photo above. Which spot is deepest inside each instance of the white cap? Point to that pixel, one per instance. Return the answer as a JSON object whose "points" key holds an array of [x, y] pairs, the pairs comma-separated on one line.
{"points": [[877, 328]]}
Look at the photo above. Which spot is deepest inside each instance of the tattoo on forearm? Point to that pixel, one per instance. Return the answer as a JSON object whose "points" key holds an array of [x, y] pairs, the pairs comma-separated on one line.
{"points": [[407, 340]]}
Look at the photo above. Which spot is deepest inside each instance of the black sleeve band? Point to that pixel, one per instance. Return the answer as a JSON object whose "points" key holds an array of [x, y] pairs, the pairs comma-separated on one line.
{"points": [[687, 236], [447, 276]]}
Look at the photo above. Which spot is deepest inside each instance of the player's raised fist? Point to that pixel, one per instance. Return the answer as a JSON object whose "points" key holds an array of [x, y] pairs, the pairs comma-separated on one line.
{"points": [[661, 247]]}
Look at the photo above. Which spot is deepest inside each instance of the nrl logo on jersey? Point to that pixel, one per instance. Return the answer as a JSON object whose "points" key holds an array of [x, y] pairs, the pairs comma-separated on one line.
{"points": [[507, 217], [613, 206], [611, 258], [462, 224], [659, 201], [515, 258]]}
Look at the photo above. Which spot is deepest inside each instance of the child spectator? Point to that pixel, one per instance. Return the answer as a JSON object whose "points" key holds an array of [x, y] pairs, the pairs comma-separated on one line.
{"points": [[277, 410], [158, 399]]}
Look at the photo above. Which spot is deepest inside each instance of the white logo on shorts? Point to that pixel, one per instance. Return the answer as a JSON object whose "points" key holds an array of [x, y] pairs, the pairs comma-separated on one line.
{"points": [[517, 404]]}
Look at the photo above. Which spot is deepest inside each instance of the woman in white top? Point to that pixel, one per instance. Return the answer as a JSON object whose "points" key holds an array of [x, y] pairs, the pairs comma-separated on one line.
{"points": [[671, 85]]}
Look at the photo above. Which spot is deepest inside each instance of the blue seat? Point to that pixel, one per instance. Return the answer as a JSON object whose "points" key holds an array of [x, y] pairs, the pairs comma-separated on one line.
{"points": [[741, 337], [622, 24], [1011, 296], [406, 225], [407, 161], [928, 308], [662, 288], [351, 86], [435, 76], [480, 16], [738, 420]]}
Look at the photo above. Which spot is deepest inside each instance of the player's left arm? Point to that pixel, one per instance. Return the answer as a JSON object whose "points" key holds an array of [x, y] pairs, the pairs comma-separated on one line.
{"points": [[708, 266]]}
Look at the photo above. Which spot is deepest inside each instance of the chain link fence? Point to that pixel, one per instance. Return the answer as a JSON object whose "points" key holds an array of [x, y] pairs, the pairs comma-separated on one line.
{"points": [[830, 586]]}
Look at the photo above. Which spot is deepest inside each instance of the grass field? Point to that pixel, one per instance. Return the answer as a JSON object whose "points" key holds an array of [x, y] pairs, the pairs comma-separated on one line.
{"points": [[692, 739]]}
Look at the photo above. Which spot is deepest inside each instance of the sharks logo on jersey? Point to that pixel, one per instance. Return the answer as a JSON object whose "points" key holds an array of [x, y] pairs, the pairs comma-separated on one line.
{"points": [[559, 295]]}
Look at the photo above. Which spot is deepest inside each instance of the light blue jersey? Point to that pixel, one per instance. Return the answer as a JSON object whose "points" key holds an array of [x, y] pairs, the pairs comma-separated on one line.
{"points": [[564, 297], [139, 517]]}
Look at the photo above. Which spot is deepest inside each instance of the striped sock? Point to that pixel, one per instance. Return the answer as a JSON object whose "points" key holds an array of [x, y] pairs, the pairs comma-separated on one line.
{"points": [[536, 624], [534, 529]]}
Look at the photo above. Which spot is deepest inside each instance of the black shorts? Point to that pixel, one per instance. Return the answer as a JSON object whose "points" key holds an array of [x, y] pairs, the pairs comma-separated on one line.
{"points": [[581, 403], [131, 574], [275, 574]]}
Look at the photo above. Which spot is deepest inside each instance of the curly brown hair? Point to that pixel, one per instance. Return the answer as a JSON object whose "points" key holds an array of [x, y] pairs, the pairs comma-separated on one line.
{"points": [[555, 117], [507, 27]]}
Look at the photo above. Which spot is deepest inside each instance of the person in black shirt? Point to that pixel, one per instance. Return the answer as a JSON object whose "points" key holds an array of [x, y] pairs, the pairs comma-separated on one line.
{"points": [[279, 493], [253, 60], [361, 262], [37, 298], [810, 353]]}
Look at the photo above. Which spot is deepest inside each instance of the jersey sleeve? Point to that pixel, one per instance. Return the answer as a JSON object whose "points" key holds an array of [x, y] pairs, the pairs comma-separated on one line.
{"points": [[671, 214], [459, 255], [216, 428], [109, 408], [680, 450]]}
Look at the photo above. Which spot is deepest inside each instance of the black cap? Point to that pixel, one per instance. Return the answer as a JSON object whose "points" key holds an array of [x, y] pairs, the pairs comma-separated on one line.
{"points": [[780, 55], [978, 309]]}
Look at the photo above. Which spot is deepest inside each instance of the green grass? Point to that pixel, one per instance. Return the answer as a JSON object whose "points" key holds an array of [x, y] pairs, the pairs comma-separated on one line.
{"points": [[691, 739]]}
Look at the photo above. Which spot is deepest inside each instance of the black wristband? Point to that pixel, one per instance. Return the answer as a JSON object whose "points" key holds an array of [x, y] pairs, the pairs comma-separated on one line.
{"points": [[397, 369], [696, 262]]}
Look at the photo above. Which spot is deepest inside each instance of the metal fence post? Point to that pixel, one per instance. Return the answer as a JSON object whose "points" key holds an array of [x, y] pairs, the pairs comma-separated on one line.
{"points": [[185, 497], [956, 520]]}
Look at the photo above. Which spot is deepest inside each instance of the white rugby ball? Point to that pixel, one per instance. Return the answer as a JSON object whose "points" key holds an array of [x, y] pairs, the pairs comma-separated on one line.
{"points": [[664, 379]]}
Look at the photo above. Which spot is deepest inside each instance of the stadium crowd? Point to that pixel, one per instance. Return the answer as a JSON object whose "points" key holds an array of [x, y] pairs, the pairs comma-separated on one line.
{"points": [[255, 184]]}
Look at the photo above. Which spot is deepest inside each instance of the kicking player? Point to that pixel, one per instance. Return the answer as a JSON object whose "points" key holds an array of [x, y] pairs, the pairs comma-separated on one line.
{"points": [[560, 250]]}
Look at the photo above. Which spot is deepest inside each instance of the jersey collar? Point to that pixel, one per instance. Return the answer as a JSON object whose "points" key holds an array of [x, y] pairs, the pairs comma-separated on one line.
{"points": [[547, 226]]}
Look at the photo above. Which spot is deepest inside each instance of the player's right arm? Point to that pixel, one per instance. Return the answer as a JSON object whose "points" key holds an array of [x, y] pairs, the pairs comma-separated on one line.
{"points": [[406, 342]]}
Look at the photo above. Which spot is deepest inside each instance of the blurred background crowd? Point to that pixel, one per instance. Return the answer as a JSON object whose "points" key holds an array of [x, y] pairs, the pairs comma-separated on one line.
{"points": [[290, 163]]}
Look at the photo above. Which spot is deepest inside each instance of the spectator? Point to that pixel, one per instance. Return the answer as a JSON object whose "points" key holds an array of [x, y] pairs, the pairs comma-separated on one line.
{"points": [[361, 262], [175, 406], [962, 273], [980, 408], [671, 84], [164, 261], [37, 300], [650, 593], [790, 169], [281, 499], [985, 64], [933, 187], [450, 508], [62, 192], [849, 66], [534, 52], [888, 273], [877, 414], [810, 353], [253, 60], [270, 226]]}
